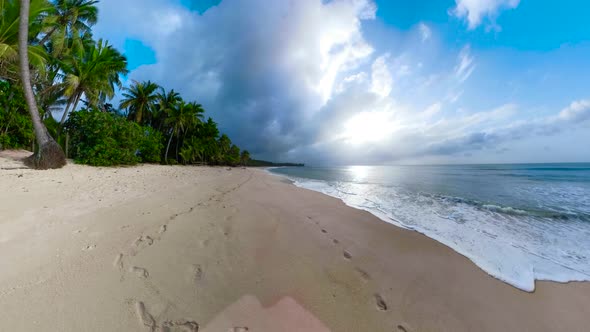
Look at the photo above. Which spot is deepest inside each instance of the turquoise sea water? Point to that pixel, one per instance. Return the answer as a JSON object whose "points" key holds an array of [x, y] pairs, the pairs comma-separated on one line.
{"points": [[518, 222]]}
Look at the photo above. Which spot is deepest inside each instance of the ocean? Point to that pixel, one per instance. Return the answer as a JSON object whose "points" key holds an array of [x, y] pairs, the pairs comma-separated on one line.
{"points": [[517, 222]]}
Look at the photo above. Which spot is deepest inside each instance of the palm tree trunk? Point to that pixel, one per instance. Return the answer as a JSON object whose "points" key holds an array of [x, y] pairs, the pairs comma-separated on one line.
{"points": [[75, 100], [168, 147], [49, 153], [47, 35], [177, 141], [66, 110], [138, 115], [63, 117]]}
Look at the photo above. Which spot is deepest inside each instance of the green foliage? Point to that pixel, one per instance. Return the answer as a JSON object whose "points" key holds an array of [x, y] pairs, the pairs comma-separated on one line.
{"points": [[233, 156], [192, 151], [102, 139], [139, 100], [93, 71], [244, 157], [16, 128], [9, 18], [150, 145], [68, 23]]}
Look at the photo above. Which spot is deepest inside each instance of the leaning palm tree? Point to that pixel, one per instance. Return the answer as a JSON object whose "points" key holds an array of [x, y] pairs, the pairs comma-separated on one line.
{"points": [[69, 20], [92, 72], [49, 153], [139, 100]]}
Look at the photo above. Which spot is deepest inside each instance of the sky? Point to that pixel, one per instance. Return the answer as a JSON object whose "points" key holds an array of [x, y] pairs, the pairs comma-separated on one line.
{"points": [[372, 82]]}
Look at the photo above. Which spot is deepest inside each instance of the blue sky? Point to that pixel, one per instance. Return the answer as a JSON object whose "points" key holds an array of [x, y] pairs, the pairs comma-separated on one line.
{"points": [[365, 82]]}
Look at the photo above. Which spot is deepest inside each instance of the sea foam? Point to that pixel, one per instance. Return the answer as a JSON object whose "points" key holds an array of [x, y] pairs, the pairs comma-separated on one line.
{"points": [[507, 243]]}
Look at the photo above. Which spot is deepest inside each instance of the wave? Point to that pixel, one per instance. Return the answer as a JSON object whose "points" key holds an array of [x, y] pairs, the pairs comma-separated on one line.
{"points": [[514, 244]]}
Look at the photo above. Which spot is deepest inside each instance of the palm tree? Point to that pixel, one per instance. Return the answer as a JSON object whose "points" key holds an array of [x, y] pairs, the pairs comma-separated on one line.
{"points": [[49, 153], [139, 100], [166, 102], [92, 72], [9, 37], [69, 19], [194, 117], [245, 157], [192, 150], [181, 118], [195, 114]]}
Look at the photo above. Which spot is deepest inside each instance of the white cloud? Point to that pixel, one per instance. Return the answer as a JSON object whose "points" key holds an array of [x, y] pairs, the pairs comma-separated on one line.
{"points": [[425, 31], [475, 11], [381, 80], [432, 110], [577, 111], [454, 96], [465, 64], [299, 80]]}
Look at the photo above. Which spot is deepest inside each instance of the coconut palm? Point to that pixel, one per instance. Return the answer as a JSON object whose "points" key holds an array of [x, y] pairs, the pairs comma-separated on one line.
{"points": [[166, 101], [9, 36], [181, 118], [69, 21], [92, 72], [49, 153], [139, 100], [195, 114]]}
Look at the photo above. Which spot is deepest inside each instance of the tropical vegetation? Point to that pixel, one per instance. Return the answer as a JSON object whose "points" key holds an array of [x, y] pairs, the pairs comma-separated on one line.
{"points": [[56, 82]]}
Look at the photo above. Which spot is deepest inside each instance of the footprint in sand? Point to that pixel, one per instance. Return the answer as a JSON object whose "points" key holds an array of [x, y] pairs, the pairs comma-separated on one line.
{"points": [[364, 275], [324, 231], [143, 241], [89, 247], [118, 262], [335, 241], [238, 329], [144, 317], [183, 324], [381, 305], [402, 328], [195, 273], [346, 255], [163, 229], [139, 272]]}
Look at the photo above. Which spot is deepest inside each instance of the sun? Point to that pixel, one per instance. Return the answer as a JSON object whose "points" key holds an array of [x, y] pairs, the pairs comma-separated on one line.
{"points": [[368, 127]]}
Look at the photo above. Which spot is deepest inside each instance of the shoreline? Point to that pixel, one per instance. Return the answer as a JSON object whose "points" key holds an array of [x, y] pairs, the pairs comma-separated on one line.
{"points": [[237, 248], [574, 276]]}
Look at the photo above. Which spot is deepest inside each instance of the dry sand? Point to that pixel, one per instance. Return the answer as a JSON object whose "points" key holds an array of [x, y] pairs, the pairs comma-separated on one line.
{"points": [[156, 248]]}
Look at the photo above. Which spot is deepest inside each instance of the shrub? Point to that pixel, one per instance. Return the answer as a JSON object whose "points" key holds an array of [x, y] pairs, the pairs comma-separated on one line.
{"points": [[104, 139], [16, 128], [150, 145]]}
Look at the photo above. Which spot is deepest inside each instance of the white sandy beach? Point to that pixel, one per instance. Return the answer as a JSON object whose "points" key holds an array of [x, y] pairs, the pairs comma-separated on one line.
{"points": [[163, 248]]}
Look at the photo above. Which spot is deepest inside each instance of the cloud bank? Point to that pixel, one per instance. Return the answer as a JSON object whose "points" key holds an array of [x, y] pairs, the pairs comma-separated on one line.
{"points": [[300, 81]]}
